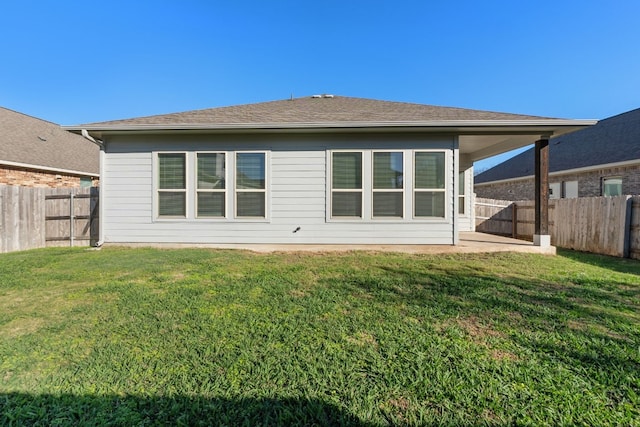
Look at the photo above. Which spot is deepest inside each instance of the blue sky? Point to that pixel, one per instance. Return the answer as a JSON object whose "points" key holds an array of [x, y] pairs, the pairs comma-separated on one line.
{"points": [[74, 62]]}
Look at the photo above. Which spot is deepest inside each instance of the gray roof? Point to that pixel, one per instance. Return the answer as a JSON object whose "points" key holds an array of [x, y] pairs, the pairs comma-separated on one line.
{"points": [[35, 142], [612, 140], [323, 109]]}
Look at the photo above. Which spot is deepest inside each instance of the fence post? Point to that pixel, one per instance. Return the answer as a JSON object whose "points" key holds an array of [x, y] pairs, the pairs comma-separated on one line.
{"points": [[626, 245], [71, 219], [514, 220]]}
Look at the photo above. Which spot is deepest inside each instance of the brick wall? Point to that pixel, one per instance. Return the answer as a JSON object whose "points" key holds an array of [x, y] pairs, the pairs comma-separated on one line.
{"points": [[34, 178], [589, 184]]}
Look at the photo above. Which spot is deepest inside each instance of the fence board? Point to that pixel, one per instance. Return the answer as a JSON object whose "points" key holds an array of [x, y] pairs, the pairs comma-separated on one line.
{"points": [[634, 227], [27, 217], [605, 225]]}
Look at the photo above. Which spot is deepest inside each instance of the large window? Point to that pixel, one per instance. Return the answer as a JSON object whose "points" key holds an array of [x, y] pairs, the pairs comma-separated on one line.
{"points": [[429, 184], [211, 185], [346, 184], [612, 186], [388, 184], [172, 185], [251, 187]]}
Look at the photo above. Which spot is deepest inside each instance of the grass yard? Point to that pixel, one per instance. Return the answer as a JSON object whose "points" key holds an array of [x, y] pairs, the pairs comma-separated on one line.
{"points": [[201, 337]]}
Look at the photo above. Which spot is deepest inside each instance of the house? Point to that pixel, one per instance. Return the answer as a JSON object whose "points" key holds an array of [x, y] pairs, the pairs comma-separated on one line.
{"points": [[37, 153], [601, 160], [322, 169]]}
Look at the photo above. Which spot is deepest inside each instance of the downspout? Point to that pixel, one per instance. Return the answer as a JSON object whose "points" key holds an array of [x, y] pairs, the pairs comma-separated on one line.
{"points": [[100, 144]]}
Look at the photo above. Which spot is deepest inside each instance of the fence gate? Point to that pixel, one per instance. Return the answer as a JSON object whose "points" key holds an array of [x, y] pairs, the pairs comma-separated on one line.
{"points": [[71, 218]]}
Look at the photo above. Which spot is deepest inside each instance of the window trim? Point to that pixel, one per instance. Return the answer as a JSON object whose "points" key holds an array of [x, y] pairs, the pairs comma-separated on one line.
{"points": [[402, 190], [212, 190], [347, 190], [158, 190], [462, 198], [444, 190], [264, 190]]}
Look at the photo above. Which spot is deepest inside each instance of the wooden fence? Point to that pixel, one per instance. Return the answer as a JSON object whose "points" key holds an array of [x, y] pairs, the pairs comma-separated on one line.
{"points": [[605, 225], [38, 217]]}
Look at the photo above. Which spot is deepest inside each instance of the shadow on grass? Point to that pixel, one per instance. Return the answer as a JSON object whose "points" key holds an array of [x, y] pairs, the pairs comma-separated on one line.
{"points": [[46, 410], [581, 323], [620, 265]]}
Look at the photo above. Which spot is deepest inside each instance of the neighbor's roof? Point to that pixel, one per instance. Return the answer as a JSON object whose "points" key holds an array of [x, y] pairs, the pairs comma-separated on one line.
{"points": [[317, 109], [612, 140], [30, 142]]}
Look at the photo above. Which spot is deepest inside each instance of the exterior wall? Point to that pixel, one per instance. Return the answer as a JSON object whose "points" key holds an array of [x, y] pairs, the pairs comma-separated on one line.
{"points": [[589, 184], [25, 177], [297, 193]]}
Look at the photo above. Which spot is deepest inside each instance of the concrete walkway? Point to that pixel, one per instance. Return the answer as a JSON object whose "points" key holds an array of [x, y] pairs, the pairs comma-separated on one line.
{"points": [[469, 243]]}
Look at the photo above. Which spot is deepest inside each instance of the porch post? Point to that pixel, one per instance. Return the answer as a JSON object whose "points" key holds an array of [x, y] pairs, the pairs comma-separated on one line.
{"points": [[541, 235]]}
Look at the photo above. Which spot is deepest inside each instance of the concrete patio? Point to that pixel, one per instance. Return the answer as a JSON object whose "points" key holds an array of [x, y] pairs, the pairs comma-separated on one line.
{"points": [[470, 242]]}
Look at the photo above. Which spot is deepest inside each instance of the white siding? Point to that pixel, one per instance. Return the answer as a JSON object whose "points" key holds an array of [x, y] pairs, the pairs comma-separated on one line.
{"points": [[297, 193]]}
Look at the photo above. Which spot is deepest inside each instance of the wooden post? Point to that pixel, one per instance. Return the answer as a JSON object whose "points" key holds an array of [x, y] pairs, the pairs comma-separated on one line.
{"points": [[542, 193], [71, 219], [514, 220]]}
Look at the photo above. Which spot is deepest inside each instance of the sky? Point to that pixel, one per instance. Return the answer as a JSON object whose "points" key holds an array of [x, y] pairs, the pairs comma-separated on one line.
{"points": [[73, 62]]}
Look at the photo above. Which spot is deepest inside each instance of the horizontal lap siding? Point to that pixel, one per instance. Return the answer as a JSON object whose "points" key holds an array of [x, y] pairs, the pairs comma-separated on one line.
{"points": [[297, 199]]}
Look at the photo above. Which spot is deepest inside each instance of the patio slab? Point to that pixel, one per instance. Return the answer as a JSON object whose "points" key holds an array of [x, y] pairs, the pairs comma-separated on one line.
{"points": [[470, 242]]}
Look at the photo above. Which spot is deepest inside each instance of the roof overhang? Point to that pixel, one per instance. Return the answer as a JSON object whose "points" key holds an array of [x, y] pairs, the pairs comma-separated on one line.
{"points": [[47, 169], [478, 139]]}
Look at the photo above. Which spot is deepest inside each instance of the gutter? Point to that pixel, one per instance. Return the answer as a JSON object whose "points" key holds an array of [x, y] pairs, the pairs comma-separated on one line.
{"points": [[445, 124]]}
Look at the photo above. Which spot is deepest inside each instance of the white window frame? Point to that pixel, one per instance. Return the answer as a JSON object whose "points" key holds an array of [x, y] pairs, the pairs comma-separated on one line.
{"points": [[388, 190], [444, 190], [158, 190], [347, 190], [236, 190], [212, 190], [462, 198]]}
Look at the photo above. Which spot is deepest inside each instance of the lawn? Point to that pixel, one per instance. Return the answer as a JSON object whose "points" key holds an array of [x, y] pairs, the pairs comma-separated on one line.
{"points": [[202, 337]]}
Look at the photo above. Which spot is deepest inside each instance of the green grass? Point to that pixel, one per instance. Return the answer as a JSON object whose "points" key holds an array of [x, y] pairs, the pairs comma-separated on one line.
{"points": [[200, 337]]}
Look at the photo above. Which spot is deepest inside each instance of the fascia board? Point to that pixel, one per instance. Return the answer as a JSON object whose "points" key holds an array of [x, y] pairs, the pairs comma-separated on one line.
{"points": [[533, 126]]}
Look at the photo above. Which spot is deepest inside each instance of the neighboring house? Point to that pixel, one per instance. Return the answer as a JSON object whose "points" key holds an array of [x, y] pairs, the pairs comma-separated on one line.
{"points": [[313, 170], [37, 153], [601, 160]]}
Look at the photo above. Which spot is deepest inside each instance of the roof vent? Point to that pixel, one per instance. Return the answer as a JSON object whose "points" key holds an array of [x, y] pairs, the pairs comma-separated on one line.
{"points": [[316, 96]]}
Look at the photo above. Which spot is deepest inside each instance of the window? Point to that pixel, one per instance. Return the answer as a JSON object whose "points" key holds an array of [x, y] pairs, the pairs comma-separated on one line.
{"points": [[388, 184], [250, 181], [461, 191], [612, 186], [86, 182], [429, 184], [570, 189], [346, 184], [211, 185], [172, 185]]}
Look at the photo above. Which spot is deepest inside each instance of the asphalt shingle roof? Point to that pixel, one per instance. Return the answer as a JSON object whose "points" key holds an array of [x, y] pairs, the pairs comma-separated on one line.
{"points": [[32, 141], [336, 109], [612, 140]]}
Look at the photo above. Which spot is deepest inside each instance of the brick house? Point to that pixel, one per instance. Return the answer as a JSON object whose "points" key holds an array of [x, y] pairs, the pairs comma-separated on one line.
{"points": [[37, 153], [601, 160]]}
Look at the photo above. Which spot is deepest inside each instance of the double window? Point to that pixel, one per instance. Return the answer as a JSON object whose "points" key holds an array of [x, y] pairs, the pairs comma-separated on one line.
{"points": [[385, 196], [212, 197]]}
